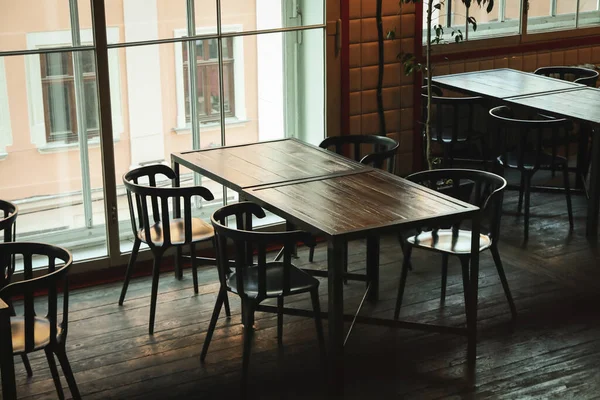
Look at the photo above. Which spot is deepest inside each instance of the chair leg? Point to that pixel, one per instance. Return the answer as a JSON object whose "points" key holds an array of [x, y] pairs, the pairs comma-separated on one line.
{"points": [[226, 301], [280, 320], [194, 266], [314, 295], [405, 264], [403, 244], [61, 354], [521, 190], [568, 194], [500, 268], [527, 203], [54, 372], [464, 263], [154, 294], [444, 276], [27, 365], [213, 322], [134, 253], [248, 333]]}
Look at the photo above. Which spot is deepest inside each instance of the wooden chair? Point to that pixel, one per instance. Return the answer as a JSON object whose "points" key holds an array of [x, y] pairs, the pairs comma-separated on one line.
{"points": [[30, 331], [8, 226], [526, 152], [377, 151], [152, 223], [452, 125], [479, 188], [585, 76], [256, 281]]}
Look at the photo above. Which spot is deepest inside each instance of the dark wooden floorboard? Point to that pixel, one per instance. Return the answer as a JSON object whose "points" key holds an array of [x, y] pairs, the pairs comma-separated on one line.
{"points": [[551, 351]]}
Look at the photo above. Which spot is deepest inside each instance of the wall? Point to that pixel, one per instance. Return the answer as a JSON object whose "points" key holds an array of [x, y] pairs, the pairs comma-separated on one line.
{"points": [[398, 88]]}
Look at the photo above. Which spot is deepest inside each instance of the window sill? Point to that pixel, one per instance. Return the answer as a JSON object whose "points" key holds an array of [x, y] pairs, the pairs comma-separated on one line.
{"points": [[61, 147], [212, 126]]}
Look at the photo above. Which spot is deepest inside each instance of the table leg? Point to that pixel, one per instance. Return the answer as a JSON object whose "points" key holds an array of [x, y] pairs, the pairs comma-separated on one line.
{"points": [[593, 203], [582, 154], [177, 208], [7, 368], [472, 298], [373, 267], [336, 257]]}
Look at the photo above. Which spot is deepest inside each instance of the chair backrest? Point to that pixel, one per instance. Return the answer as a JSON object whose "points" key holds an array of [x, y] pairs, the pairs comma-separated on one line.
{"points": [[8, 227], [480, 188], [159, 197], [528, 136], [50, 280], [377, 151], [585, 76], [245, 243]]}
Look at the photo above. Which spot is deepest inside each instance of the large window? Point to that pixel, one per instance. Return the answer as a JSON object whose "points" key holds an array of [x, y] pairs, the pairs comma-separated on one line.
{"points": [[505, 19]]}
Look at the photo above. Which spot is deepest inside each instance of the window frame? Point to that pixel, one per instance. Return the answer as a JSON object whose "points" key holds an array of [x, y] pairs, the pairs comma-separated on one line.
{"points": [[205, 33], [5, 124]]}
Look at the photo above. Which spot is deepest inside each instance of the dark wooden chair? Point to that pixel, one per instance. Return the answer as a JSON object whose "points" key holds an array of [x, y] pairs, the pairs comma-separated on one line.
{"points": [[30, 331], [153, 224], [453, 125], [480, 188], [585, 76], [523, 145], [8, 226], [376, 151], [255, 281]]}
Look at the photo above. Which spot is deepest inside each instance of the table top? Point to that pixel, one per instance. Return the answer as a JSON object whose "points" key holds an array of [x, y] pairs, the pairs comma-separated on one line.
{"points": [[502, 83], [354, 205], [581, 103], [263, 163]]}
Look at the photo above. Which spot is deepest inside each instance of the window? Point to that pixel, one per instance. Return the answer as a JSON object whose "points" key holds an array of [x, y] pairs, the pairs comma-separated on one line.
{"points": [[207, 54], [5, 126], [58, 87]]}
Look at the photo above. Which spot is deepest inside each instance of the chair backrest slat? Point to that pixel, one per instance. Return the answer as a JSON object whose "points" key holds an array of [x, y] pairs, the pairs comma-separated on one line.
{"points": [[584, 76], [377, 151]]}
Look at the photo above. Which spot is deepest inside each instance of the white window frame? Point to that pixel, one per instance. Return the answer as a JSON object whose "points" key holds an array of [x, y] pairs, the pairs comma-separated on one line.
{"points": [[238, 76], [5, 127], [39, 40]]}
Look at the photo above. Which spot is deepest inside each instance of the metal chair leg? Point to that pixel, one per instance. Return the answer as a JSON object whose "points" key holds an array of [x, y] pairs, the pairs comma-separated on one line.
{"points": [[568, 194], [154, 294], [61, 354], [314, 295], [500, 269], [311, 254], [444, 276], [54, 372], [213, 322], [248, 333], [405, 265], [27, 365], [280, 321], [464, 263], [194, 266], [527, 204], [521, 190], [132, 258]]}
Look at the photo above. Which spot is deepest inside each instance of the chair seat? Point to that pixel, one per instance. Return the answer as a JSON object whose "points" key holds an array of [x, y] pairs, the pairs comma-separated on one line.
{"points": [[447, 243], [200, 231], [41, 333], [546, 160], [300, 281]]}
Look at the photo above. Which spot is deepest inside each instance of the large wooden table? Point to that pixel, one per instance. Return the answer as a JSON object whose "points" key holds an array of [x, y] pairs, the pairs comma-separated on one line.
{"points": [[545, 94], [340, 200]]}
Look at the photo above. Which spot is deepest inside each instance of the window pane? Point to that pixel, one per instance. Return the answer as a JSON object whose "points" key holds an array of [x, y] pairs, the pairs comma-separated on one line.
{"points": [[88, 62], [213, 49], [543, 17], [57, 64], [59, 110], [451, 16], [589, 14], [91, 105]]}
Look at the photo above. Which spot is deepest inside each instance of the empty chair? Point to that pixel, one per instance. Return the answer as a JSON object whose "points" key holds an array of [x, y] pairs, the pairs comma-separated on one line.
{"points": [[453, 125], [377, 151], [153, 224], [255, 281], [523, 145], [585, 76], [31, 331], [479, 188]]}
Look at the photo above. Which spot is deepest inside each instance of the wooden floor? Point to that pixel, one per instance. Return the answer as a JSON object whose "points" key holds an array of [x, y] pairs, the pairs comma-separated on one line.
{"points": [[551, 351]]}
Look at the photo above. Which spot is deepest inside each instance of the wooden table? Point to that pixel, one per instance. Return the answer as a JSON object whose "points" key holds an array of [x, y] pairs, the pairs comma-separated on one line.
{"points": [[341, 205], [545, 94], [9, 386]]}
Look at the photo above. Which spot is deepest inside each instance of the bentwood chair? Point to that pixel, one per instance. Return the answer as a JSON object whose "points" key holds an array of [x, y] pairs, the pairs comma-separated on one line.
{"points": [[453, 126], [153, 224], [480, 188], [376, 151], [31, 331], [585, 76], [8, 226], [523, 145], [257, 280]]}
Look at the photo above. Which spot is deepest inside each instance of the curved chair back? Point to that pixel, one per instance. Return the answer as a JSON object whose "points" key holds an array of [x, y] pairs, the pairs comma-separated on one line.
{"points": [[8, 226], [585, 76], [246, 242], [159, 197], [525, 140], [51, 280], [480, 188], [452, 119], [378, 151]]}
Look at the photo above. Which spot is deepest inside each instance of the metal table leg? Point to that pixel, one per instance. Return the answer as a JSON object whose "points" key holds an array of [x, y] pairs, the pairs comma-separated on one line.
{"points": [[594, 191], [177, 209], [373, 267], [336, 256], [472, 298]]}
